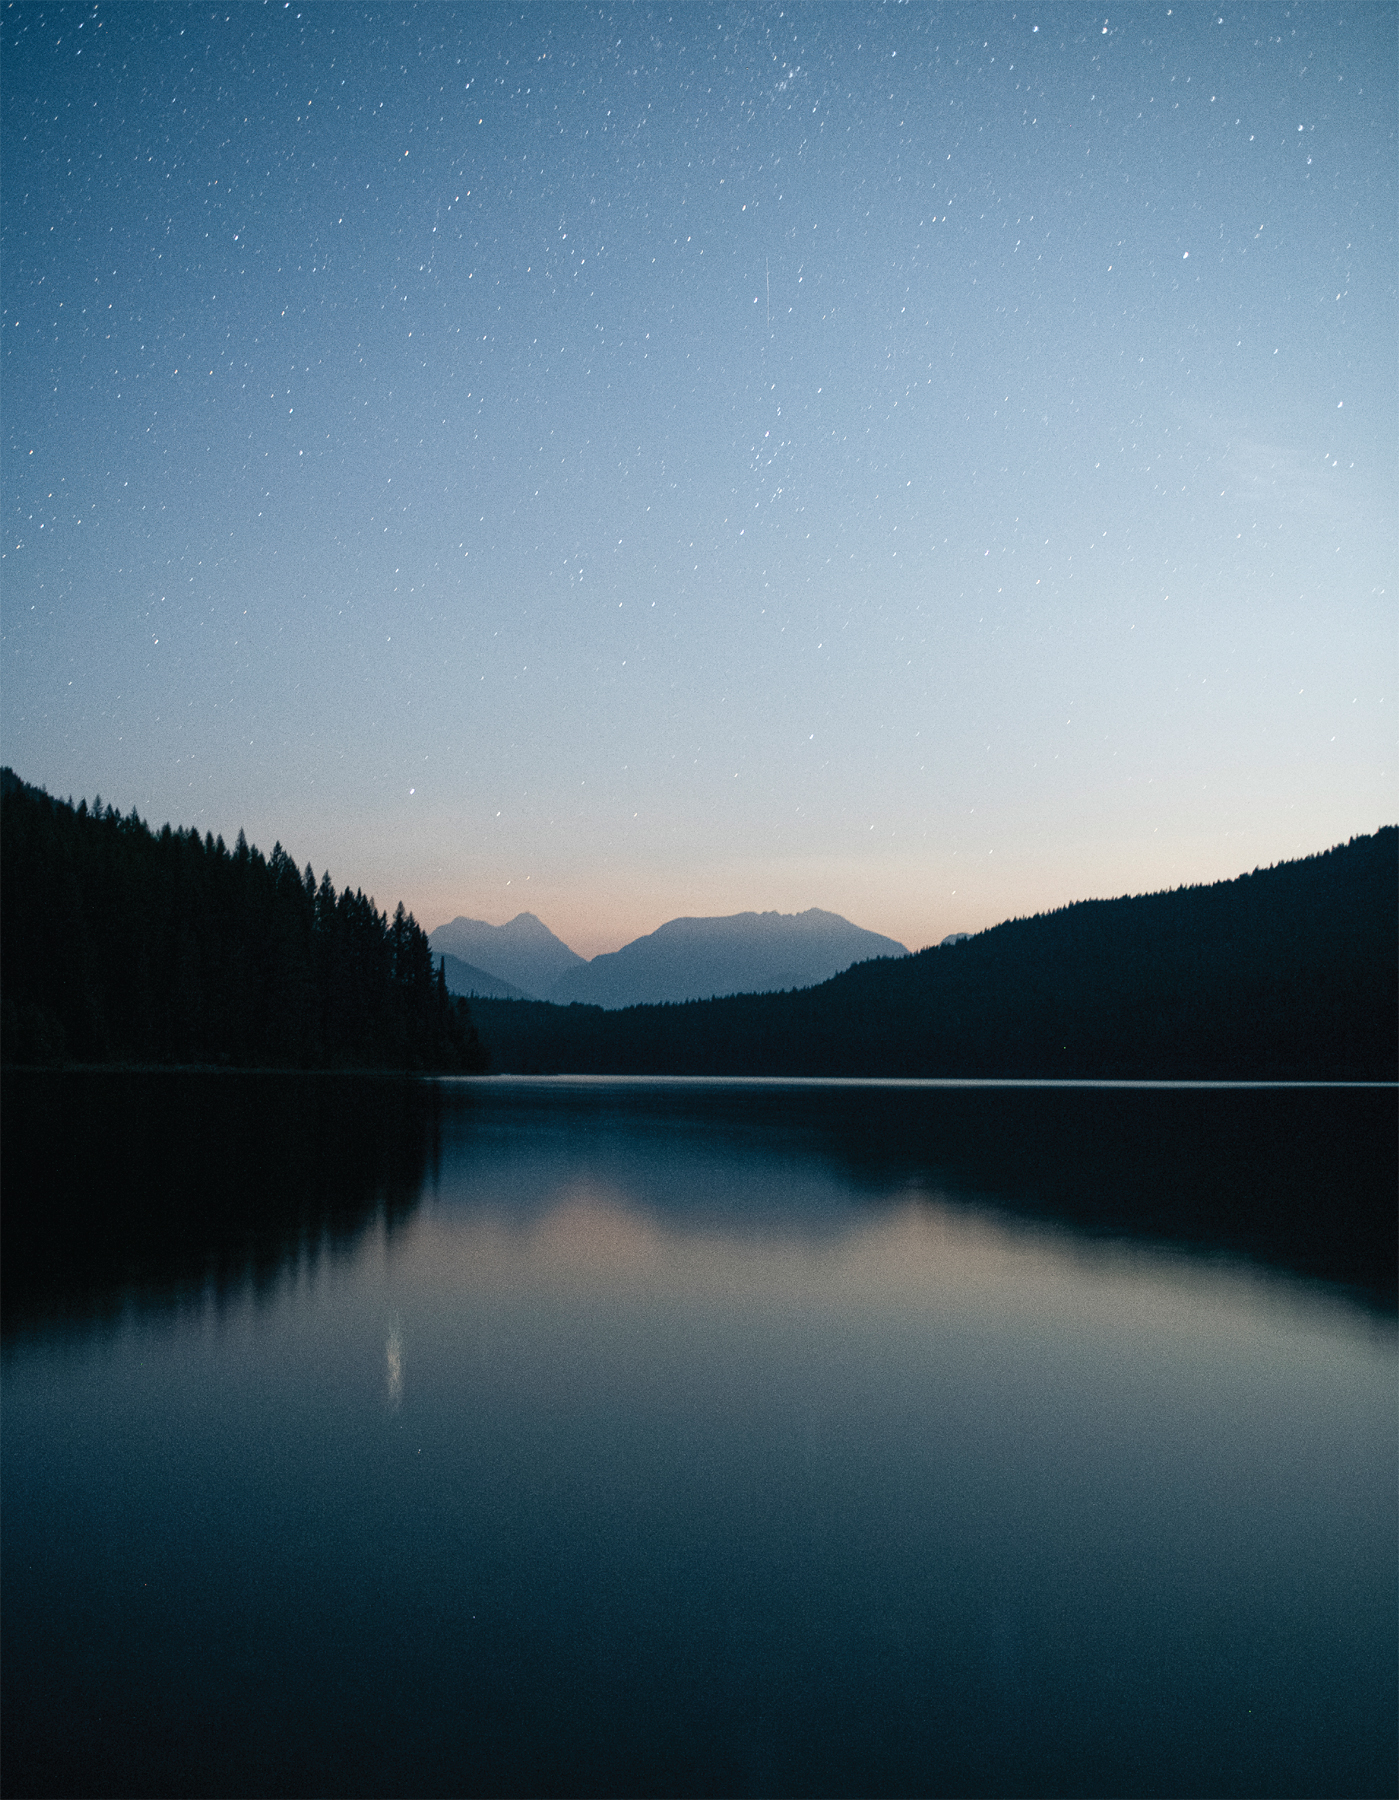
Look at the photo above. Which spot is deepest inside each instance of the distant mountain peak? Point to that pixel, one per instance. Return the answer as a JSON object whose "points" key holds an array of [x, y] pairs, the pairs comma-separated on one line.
{"points": [[688, 958], [522, 921], [734, 953], [523, 953]]}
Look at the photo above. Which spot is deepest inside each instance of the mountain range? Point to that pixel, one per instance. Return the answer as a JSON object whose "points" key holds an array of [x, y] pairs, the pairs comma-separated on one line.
{"points": [[685, 959], [1285, 974], [523, 953]]}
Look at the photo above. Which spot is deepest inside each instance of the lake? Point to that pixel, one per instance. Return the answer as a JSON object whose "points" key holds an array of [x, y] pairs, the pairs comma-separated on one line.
{"points": [[380, 1437]]}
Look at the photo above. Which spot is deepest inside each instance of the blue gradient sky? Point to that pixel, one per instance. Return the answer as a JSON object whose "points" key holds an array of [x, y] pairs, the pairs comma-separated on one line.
{"points": [[928, 463]]}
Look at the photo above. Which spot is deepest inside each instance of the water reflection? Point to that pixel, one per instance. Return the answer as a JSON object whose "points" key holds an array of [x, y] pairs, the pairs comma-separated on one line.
{"points": [[769, 1441], [157, 1191], [393, 1357]]}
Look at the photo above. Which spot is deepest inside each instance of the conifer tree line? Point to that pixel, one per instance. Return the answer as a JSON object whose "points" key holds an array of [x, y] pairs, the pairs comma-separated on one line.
{"points": [[122, 944]]}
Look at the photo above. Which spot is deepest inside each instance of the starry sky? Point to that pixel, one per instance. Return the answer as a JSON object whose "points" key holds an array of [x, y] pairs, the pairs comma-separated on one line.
{"points": [[932, 463]]}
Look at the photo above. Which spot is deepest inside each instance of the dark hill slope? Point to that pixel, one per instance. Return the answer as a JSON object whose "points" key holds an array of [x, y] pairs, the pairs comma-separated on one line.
{"points": [[1288, 973], [463, 979], [121, 944]]}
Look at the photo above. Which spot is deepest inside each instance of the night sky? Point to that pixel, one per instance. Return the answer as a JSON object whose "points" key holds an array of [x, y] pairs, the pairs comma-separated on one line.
{"points": [[930, 463]]}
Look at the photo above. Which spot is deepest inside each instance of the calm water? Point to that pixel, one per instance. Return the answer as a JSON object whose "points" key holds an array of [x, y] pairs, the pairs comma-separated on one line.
{"points": [[604, 1437]]}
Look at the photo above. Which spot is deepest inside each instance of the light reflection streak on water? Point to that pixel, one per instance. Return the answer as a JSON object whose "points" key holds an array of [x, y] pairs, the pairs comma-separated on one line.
{"points": [[393, 1356]]}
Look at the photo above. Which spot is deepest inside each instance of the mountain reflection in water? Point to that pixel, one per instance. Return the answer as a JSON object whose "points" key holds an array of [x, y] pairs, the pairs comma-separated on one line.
{"points": [[612, 1437], [145, 1190]]}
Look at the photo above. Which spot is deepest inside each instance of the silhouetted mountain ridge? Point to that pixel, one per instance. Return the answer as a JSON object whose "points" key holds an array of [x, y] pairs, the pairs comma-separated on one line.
{"points": [[523, 952], [685, 959], [1289, 973], [742, 953]]}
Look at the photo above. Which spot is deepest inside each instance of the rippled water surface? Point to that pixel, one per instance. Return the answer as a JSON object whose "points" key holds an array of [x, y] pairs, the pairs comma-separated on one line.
{"points": [[619, 1437]]}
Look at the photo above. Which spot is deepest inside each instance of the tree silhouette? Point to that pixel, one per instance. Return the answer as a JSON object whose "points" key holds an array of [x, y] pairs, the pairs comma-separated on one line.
{"points": [[125, 945]]}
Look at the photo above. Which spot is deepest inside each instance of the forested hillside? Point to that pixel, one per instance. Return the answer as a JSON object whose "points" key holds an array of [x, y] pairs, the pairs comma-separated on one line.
{"points": [[120, 944], [1290, 973]]}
